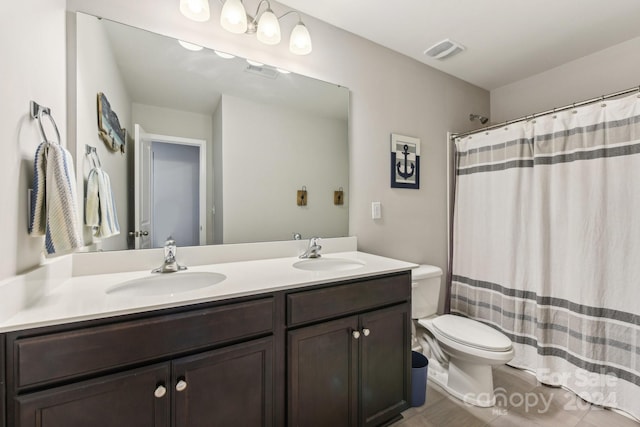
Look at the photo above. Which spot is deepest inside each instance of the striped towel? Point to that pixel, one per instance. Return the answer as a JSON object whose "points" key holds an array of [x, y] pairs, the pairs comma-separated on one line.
{"points": [[54, 206], [100, 208]]}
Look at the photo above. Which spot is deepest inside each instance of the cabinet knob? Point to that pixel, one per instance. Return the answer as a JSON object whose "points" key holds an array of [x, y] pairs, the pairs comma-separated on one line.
{"points": [[356, 334], [366, 332], [181, 386], [160, 391]]}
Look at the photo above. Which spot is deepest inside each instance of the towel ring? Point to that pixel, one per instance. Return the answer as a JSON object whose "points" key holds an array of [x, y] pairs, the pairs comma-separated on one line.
{"points": [[37, 111]]}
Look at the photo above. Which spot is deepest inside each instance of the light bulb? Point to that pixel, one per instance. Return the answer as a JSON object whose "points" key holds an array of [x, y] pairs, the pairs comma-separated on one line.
{"points": [[300, 40], [233, 17], [268, 28], [196, 10]]}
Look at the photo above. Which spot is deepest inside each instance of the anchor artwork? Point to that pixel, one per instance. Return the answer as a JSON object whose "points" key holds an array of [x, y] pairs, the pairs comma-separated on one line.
{"points": [[405, 161]]}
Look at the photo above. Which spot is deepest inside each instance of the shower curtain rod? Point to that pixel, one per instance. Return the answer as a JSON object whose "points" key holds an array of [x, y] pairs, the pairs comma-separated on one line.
{"points": [[544, 113]]}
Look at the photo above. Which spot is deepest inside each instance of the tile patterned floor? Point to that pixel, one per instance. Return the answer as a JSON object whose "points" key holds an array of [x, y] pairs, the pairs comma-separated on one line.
{"points": [[555, 407]]}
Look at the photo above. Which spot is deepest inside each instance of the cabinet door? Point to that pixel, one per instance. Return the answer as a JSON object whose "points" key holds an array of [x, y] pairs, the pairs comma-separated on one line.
{"points": [[232, 386], [323, 375], [134, 398], [385, 363]]}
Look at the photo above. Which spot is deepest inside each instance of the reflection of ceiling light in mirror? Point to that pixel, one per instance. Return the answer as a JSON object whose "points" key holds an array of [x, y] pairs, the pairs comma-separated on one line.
{"points": [[283, 71], [255, 63], [224, 55], [264, 24], [196, 10], [189, 46]]}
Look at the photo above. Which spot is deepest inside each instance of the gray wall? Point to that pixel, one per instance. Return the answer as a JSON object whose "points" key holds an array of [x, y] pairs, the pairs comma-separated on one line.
{"points": [[389, 93], [607, 71]]}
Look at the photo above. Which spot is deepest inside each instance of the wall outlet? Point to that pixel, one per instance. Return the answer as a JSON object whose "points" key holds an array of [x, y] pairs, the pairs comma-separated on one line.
{"points": [[376, 210]]}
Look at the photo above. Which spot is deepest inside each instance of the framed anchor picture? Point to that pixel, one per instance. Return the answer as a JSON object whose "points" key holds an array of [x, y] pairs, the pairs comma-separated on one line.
{"points": [[405, 161]]}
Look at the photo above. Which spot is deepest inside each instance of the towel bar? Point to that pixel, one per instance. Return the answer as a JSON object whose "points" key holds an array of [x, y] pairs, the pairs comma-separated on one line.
{"points": [[37, 111]]}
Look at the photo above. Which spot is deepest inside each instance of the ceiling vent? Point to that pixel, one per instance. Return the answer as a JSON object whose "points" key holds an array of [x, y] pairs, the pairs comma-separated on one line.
{"points": [[444, 49], [263, 71]]}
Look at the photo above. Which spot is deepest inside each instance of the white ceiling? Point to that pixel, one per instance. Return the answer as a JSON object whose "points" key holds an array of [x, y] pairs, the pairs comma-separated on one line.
{"points": [[505, 40]]}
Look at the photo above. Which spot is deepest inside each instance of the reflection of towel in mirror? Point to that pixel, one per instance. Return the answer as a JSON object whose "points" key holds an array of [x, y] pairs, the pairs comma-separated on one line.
{"points": [[100, 210], [54, 205]]}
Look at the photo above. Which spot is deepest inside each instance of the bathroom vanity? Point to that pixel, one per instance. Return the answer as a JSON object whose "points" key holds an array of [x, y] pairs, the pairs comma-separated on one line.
{"points": [[328, 352]]}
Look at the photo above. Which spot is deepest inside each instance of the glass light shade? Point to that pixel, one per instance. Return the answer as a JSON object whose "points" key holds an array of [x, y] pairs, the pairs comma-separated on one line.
{"points": [[196, 10], [224, 55], [268, 28], [300, 40], [233, 17]]}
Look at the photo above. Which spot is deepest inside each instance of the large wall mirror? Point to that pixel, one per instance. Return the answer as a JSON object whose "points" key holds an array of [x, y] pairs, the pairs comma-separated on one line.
{"points": [[215, 149]]}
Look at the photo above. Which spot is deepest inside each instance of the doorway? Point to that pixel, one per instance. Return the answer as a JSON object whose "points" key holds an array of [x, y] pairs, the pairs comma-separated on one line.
{"points": [[170, 190]]}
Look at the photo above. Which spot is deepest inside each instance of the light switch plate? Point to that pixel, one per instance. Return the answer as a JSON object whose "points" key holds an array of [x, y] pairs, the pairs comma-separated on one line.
{"points": [[376, 210]]}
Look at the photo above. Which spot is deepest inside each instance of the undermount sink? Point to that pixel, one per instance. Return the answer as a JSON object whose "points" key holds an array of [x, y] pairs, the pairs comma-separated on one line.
{"points": [[328, 264], [167, 283]]}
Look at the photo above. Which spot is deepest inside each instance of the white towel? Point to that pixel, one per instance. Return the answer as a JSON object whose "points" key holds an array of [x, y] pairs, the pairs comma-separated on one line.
{"points": [[54, 206], [100, 208]]}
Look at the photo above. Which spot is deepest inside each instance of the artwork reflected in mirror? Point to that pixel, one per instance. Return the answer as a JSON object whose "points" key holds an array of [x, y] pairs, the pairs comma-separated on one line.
{"points": [[216, 146], [109, 129]]}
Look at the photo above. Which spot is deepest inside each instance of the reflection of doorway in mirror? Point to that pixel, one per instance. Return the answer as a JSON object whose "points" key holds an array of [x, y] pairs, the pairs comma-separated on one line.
{"points": [[168, 170]]}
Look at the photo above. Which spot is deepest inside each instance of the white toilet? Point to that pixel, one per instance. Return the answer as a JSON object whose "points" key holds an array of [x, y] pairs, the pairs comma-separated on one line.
{"points": [[461, 351]]}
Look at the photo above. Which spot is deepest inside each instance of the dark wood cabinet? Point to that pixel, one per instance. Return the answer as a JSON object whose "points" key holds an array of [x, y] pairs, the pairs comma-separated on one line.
{"points": [[323, 374], [355, 370], [228, 387], [333, 354], [385, 365], [134, 398]]}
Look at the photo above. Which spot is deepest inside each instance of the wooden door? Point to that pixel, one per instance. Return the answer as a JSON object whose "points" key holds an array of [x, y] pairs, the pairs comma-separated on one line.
{"points": [[134, 398], [385, 364], [232, 386], [323, 375]]}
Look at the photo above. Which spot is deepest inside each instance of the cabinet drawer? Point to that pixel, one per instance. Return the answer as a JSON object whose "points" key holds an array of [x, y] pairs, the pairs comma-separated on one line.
{"points": [[335, 301], [61, 356]]}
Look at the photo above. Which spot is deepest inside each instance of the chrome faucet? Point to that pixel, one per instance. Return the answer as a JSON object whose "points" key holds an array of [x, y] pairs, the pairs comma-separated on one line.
{"points": [[313, 251], [170, 265]]}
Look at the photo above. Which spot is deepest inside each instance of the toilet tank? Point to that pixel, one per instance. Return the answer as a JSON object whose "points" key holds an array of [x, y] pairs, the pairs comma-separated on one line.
{"points": [[425, 291]]}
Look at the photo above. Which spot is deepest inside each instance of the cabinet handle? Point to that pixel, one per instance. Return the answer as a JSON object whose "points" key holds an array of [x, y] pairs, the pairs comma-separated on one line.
{"points": [[181, 386], [366, 332], [160, 391], [356, 334]]}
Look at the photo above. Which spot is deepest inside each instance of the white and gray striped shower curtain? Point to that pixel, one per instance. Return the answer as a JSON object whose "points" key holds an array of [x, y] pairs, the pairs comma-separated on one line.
{"points": [[546, 245]]}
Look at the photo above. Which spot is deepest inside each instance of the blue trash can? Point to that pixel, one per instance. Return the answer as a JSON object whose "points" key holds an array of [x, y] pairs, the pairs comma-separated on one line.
{"points": [[419, 365]]}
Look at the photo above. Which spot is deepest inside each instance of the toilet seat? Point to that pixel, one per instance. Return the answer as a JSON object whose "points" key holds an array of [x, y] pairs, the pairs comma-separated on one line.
{"points": [[471, 333]]}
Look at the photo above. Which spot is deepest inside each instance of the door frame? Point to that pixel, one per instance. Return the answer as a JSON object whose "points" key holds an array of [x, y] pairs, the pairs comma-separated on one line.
{"points": [[202, 181]]}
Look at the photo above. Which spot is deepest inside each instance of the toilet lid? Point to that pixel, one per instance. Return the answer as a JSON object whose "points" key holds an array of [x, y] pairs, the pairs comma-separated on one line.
{"points": [[471, 332]]}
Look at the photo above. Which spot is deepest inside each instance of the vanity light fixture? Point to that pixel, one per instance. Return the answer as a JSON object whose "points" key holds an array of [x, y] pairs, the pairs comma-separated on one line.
{"points": [[197, 10], [265, 25]]}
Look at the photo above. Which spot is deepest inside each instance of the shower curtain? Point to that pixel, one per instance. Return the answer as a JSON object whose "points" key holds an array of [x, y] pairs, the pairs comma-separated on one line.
{"points": [[546, 245]]}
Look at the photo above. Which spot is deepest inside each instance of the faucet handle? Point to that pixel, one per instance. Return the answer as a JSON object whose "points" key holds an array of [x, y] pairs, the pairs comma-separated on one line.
{"points": [[314, 241]]}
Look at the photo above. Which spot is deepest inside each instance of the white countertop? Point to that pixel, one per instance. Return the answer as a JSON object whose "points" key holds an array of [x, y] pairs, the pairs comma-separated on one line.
{"points": [[84, 297]]}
